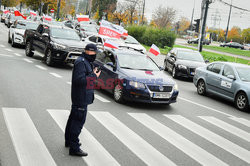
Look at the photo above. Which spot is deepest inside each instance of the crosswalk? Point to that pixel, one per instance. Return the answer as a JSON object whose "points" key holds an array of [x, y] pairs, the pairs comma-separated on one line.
{"points": [[20, 125]]}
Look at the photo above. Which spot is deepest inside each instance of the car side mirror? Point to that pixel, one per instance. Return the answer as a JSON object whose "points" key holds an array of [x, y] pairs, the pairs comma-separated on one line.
{"points": [[45, 35], [231, 77], [161, 68], [110, 64], [12, 26], [206, 61]]}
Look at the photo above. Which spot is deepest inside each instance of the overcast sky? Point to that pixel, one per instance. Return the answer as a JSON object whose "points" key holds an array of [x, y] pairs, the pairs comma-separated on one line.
{"points": [[217, 10]]}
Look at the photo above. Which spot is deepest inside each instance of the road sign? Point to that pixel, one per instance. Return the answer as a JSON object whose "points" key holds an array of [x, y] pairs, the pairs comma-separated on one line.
{"points": [[52, 10]]}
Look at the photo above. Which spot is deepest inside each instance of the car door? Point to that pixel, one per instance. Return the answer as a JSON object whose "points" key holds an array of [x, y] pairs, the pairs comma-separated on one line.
{"points": [[99, 62], [213, 76], [171, 60], [37, 35], [44, 38], [227, 82]]}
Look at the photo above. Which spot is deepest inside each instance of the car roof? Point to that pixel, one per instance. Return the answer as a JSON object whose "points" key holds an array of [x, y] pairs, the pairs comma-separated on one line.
{"points": [[233, 64], [55, 26], [125, 50], [184, 49]]}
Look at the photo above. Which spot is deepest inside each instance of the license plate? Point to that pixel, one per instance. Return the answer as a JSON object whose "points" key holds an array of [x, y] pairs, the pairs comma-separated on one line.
{"points": [[73, 57], [161, 95], [192, 73]]}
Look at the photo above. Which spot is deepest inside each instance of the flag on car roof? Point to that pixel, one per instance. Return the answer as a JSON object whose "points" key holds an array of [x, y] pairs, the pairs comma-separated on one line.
{"points": [[154, 50], [81, 18], [33, 13], [111, 30], [47, 18], [17, 13], [110, 44], [6, 11]]}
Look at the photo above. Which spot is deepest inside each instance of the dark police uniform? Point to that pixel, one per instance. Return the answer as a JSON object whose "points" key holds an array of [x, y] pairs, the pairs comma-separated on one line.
{"points": [[81, 96]]}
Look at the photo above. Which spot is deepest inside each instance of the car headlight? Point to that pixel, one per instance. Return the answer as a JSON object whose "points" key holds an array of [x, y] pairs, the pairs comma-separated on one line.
{"points": [[137, 85], [175, 87], [182, 67], [58, 46]]}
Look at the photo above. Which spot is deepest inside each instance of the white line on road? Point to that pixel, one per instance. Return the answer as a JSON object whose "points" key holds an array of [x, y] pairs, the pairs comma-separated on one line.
{"points": [[27, 60], [101, 98], [7, 49], [204, 106], [227, 127], [41, 67], [191, 149], [17, 54], [129, 138], [212, 137], [97, 154], [241, 121], [56, 75], [6, 55], [28, 144], [2, 45]]}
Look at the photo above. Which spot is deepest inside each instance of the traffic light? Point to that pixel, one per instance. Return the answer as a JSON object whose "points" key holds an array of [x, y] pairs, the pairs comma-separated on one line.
{"points": [[196, 25]]}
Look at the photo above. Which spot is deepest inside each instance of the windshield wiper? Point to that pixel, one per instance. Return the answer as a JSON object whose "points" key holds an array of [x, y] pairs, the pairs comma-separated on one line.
{"points": [[146, 69], [127, 68]]}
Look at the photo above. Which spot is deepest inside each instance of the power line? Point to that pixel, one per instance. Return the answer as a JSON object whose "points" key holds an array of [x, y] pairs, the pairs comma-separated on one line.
{"points": [[246, 10]]}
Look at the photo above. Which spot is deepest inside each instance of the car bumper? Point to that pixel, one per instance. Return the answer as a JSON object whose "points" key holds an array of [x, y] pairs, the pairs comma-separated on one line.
{"points": [[187, 73], [65, 56], [19, 40]]}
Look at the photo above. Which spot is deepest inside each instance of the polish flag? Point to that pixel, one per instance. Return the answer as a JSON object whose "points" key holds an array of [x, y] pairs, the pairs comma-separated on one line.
{"points": [[17, 13], [32, 13], [81, 18], [110, 44], [47, 18], [111, 30], [6, 11], [154, 50], [125, 32]]}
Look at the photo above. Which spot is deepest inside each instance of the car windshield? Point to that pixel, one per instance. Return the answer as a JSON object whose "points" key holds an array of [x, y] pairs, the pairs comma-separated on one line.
{"points": [[115, 40], [64, 34], [21, 25], [244, 73], [90, 29], [191, 56], [131, 40], [137, 62]]}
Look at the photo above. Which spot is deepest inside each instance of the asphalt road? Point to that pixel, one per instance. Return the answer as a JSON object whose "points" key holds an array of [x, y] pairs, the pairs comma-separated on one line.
{"points": [[35, 103]]}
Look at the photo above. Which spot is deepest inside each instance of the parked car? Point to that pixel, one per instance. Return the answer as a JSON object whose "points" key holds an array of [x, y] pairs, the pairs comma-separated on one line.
{"points": [[196, 41], [232, 45], [230, 81], [131, 76], [57, 43], [16, 31], [133, 43], [183, 62], [247, 46]]}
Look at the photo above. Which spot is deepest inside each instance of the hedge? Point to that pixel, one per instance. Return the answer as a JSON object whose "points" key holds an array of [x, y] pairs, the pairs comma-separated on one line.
{"points": [[149, 35]]}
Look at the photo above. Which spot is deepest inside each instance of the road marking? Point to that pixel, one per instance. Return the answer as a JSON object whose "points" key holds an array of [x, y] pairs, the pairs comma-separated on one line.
{"points": [[41, 67], [204, 106], [101, 98], [241, 121], [129, 138], [69, 83], [227, 127], [212, 137], [191, 149], [28, 144], [6, 55], [2, 45], [17, 54], [27, 60], [56, 75], [7, 49], [97, 154]]}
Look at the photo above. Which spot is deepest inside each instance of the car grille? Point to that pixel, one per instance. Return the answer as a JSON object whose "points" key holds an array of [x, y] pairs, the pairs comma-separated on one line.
{"points": [[157, 88], [74, 49], [192, 69]]}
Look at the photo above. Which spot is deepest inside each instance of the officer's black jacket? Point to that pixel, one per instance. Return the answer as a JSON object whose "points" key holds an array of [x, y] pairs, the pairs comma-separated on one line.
{"points": [[82, 91]]}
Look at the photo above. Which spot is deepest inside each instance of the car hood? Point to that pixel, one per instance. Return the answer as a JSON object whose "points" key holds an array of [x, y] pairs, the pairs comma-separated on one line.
{"points": [[188, 63], [69, 43], [148, 77], [21, 31], [136, 46]]}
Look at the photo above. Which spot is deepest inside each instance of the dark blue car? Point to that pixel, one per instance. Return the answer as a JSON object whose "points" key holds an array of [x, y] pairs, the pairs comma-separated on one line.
{"points": [[132, 76]]}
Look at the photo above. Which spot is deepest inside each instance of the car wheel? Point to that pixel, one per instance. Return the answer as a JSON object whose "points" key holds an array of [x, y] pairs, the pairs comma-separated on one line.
{"points": [[241, 102], [13, 44], [9, 41], [201, 87], [118, 94], [48, 58], [174, 72], [28, 50]]}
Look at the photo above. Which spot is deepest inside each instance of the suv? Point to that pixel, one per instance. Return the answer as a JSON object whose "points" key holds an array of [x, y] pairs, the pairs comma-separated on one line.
{"points": [[57, 43]]}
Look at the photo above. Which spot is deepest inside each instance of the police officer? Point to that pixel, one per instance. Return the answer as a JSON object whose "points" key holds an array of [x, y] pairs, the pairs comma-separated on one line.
{"points": [[81, 95]]}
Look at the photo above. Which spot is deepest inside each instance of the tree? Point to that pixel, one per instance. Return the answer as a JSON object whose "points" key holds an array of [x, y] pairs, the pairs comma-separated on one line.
{"points": [[121, 14], [246, 35], [234, 34], [163, 16], [103, 6], [184, 24], [9, 3]]}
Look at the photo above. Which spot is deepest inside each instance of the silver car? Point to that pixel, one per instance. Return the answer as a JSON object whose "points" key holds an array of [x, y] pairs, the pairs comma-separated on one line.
{"points": [[228, 80]]}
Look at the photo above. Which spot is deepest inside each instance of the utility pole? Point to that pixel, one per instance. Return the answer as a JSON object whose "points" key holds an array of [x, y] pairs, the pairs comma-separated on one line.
{"points": [[58, 9], [21, 4], [143, 11], [228, 21], [191, 27], [202, 34]]}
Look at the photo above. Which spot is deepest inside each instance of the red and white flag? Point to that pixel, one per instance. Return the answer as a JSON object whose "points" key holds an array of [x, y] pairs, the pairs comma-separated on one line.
{"points": [[33, 13], [81, 18], [111, 30], [154, 50], [110, 44], [47, 18], [125, 32], [17, 13], [6, 11]]}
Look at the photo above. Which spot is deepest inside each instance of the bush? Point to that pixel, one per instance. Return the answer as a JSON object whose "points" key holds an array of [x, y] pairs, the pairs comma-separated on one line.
{"points": [[150, 35]]}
